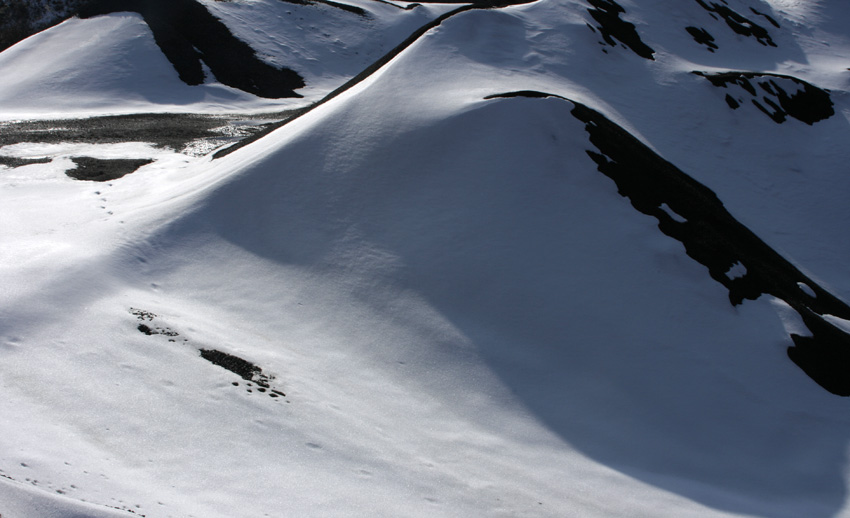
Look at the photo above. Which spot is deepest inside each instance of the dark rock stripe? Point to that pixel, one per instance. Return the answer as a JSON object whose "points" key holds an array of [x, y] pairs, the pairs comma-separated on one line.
{"points": [[188, 34], [611, 26], [345, 7], [715, 239]]}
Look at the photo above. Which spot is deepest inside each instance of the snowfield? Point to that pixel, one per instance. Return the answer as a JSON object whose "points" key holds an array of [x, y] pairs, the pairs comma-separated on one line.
{"points": [[423, 297]]}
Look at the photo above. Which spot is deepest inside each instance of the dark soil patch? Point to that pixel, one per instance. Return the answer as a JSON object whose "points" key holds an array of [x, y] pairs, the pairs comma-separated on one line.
{"points": [[242, 368], [702, 37], [146, 330], [715, 239], [104, 170], [612, 27], [10, 161], [806, 102], [740, 23], [189, 35]]}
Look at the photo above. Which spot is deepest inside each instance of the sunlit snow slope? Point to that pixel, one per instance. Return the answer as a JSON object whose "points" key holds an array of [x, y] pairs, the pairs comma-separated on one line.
{"points": [[425, 297]]}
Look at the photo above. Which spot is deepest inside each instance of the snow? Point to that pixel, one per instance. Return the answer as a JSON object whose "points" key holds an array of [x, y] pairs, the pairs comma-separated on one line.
{"points": [[807, 289], [466, 317], [736, 271], [673, 214]]}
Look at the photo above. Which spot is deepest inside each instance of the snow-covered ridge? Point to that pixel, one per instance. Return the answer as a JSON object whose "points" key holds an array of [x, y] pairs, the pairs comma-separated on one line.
{"points": [[468, 305]]}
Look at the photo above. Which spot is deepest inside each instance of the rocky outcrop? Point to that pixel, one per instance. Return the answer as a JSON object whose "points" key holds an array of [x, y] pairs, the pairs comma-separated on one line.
{"points": [[20, 20]]}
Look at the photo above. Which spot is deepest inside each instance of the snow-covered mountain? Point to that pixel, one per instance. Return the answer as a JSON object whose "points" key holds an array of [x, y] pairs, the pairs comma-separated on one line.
{"points": [[378, 258]]}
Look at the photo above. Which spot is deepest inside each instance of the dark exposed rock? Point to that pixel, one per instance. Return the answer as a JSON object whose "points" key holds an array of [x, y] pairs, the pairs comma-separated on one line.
{"points": [[20, 19], [143, 328], [715, 239], [345, 7], [243, 368], [702, 37], [104, 170], [246, 370], [189, 35], [10, 161], [612, 27], [740, 23], [805, 102], [147, 316], [766, 17]]}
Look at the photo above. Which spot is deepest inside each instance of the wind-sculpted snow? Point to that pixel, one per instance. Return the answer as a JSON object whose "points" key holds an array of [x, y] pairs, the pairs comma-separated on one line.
{"points": [[777, 96], [691, 213], [192, 37]]}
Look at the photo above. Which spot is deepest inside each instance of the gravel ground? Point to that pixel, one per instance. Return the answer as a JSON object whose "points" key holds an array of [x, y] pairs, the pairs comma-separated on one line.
{"points": [[191, 134], [176, 131]]}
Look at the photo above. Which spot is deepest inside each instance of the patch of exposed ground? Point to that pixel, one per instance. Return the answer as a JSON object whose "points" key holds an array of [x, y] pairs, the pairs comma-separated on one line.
{"points": [[735, 257], [10, 161], [253, 376], [191, 134], [172, 130], [104, 170], [777, 96]]}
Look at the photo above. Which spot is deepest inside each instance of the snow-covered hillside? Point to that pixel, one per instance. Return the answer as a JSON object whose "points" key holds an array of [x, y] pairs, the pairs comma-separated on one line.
{"points": [[545, 259]]}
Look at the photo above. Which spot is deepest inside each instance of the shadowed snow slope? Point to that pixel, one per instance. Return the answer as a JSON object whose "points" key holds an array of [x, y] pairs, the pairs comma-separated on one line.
{"points": [[465, 316]]}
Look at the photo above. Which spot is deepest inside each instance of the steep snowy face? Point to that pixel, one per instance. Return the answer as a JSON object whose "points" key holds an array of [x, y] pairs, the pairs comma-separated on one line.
{"points": [[560, 258]]}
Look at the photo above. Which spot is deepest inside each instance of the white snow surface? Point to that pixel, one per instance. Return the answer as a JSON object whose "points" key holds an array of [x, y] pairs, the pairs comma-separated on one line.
{"points": [[466, 317]]}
